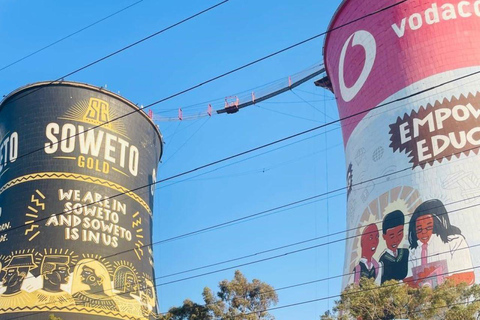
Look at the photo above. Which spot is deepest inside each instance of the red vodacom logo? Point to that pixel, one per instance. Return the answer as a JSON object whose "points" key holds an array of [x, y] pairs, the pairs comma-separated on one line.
{"points": [[367, 41]]}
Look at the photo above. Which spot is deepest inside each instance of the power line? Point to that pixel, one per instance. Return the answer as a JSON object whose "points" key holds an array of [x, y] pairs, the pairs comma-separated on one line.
{"points": [[70, 35], [269, 258], [349, 274], [281, 255], [320, 127], [333, 277], [251, 157], [225, 223], [355, 292], [239, 219], [400, 99], [284, 254], [197, 85], [275, 53], [328, 235], [301, 284], [121, 50]]}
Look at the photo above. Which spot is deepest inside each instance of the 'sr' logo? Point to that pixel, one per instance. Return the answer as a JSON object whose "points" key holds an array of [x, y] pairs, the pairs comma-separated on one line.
{"points": [[367, 41], [98, 112]]}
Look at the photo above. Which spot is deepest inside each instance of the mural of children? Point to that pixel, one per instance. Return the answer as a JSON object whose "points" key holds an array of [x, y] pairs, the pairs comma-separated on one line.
{"points": [[394, 259], [438, 249], [367, 267]]}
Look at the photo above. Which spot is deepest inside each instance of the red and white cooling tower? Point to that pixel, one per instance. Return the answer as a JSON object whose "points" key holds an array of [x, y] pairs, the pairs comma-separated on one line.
{"points": [[407, 82]]}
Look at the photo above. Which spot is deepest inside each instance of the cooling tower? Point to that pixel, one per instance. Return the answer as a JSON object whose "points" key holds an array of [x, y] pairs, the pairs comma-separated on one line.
{"points": [[406, 78], [75, 219]]}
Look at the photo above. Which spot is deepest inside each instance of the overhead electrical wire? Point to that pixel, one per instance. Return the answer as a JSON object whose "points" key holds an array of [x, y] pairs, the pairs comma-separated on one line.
{"points": [[123, 49], [301, 284], [269, 144], [285, 246], [151, 244], [270, 258], [299, 250], [284, 254], [360, 291], [246, 159], [69, 35], [350, 274], [285, 138], [197, 85], [159, 181]]}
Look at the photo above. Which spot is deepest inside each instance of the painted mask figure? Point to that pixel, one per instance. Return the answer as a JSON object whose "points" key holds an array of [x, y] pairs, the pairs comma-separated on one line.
{"points": [[89, 277], [16, 271], [55, 270], [12, 277], [125, 281]]}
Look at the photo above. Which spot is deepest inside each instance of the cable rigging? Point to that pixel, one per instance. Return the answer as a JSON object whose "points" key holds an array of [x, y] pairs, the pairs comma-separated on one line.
{"points": [[197, 85], [287, 253], [269, 144]]}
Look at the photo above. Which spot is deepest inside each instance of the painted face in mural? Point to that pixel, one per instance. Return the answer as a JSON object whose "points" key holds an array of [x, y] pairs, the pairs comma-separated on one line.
{"points": [[89, 277], [369, 241], [393, 237], [12, 277], [424, 228], [130, 283], [149, 291], [59, 275]]}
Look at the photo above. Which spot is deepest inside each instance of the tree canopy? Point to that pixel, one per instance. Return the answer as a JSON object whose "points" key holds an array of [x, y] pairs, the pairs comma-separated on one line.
{"points": [[237, 299], [393, 300]]}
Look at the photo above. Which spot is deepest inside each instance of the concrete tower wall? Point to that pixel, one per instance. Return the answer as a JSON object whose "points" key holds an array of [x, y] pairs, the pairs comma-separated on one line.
{"points": [[74, 240], [406, 80]]}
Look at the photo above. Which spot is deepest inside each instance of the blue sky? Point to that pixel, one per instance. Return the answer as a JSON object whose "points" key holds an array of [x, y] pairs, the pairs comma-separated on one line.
{"points": [[225, 38]]}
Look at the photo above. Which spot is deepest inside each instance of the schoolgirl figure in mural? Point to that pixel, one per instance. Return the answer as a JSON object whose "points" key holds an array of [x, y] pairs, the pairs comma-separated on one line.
{"points": [[367, 267], [438, 250], [91, 286]]}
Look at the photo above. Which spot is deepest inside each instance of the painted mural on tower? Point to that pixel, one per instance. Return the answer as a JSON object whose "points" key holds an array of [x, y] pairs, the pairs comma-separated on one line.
{"points": [[411, 132], [75, 228]]}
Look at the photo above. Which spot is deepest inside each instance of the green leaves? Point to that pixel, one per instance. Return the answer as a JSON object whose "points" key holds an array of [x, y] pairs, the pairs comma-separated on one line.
{"points": [[394, 300], [237, 299]]}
